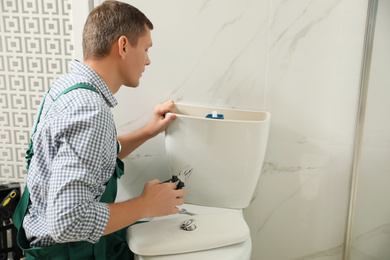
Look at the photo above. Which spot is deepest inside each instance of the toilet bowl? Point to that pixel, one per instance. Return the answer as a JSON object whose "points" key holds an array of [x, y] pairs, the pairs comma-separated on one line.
{"points": [[218, 153]]}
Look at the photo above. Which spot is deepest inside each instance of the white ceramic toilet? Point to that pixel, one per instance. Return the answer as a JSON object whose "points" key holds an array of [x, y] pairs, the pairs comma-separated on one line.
{"points": [[220, 161]]}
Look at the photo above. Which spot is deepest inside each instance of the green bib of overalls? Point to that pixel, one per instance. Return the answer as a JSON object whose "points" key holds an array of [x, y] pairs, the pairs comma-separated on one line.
{"points": [[112, 246]]}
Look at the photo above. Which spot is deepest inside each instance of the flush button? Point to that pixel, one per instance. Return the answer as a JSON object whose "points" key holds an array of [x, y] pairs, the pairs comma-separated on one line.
{"points": [[188, 225]]}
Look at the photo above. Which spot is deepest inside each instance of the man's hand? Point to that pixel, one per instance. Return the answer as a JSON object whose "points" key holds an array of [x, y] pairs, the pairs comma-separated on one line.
{"points": [[157, 199], [161, 199], [159, 120]]}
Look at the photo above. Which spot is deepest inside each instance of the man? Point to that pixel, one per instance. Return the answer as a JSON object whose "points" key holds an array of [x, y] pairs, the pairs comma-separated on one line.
{"points": [[75, 147]]}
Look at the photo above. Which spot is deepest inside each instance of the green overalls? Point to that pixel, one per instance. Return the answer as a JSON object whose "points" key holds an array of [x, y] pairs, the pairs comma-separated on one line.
{"points": [[112, 246]]}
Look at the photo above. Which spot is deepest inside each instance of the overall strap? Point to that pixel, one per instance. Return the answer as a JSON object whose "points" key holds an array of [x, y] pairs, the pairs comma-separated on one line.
{"points": [[75, 87]]}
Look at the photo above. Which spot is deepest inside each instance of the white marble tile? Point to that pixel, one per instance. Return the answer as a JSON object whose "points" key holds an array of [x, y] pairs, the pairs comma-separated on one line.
{"points": [[206, 52], [312, 89], [297, 200], [372, 212]]}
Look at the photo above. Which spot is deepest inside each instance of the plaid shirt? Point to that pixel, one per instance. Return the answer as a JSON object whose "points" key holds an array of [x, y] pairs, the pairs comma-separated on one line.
{"points": [[74, 157]]}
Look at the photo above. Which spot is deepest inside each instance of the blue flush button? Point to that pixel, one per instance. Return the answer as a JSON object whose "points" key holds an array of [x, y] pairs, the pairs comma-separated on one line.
{"points": [[215, 115]]}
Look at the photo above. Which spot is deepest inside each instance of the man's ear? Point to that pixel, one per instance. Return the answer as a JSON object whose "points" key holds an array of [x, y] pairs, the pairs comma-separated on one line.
{"points": [[122, 49]]}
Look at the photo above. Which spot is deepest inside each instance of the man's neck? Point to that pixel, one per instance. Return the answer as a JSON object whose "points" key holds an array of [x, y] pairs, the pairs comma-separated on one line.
{"points": [[106, 69]]}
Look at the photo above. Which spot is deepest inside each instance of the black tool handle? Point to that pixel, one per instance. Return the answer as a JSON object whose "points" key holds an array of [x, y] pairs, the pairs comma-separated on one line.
{"points": [[173, 179], [180, 185]]}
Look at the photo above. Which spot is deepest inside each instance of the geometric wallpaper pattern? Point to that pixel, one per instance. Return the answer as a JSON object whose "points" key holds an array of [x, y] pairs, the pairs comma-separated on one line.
{"points": [[35, 48]]}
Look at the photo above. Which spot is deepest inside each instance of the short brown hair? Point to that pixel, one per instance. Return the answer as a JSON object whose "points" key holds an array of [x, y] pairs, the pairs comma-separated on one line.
{"points": [[109, 21]]}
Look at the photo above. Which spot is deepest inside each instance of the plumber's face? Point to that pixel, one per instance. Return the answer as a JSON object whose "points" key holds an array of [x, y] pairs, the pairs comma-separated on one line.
{"points": [[136, 60]]}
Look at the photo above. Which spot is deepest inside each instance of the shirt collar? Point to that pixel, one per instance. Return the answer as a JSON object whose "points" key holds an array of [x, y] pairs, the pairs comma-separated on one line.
{"points": [[91, 76]]}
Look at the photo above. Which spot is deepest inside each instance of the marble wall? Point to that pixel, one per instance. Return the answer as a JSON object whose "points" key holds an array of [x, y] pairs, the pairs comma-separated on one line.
{"points": [[300, 60], [312, 86]]}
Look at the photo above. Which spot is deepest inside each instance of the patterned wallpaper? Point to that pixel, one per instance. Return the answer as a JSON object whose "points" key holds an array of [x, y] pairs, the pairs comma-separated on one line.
{"points": [[35, 48]]}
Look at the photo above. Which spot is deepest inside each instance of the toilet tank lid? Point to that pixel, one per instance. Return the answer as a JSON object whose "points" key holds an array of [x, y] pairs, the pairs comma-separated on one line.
{"points": [[229, 115], [165, 237]]}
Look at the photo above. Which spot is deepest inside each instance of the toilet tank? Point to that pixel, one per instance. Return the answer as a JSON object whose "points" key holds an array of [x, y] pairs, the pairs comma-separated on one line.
{"points": [[219, 160]]}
